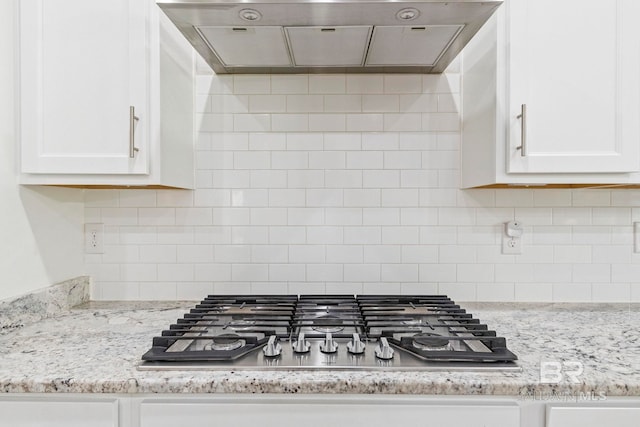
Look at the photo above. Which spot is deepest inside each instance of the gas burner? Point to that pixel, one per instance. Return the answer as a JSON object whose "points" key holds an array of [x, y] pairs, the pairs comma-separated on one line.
{"points": [[241, 324], [431, 342], [226, 342], [328, 324]]}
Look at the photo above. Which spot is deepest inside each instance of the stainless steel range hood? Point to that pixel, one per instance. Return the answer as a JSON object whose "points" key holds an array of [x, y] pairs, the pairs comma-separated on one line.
{"points": [[324, 36]]}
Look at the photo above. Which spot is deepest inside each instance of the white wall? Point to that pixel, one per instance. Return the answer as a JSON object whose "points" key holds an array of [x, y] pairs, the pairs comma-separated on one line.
{"points": [[349, 184], [40, 228]]}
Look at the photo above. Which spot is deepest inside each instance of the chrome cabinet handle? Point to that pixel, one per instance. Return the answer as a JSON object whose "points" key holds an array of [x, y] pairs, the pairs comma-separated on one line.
{"points": [[133, 119], [523, 130]]}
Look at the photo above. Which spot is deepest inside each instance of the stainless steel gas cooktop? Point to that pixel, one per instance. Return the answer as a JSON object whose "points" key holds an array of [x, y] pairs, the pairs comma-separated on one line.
{"points": [[328, 332]]}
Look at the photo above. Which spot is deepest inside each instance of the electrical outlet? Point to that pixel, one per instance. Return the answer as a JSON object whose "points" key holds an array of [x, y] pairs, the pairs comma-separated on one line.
{"points": [[93, 238], [511, 245]]}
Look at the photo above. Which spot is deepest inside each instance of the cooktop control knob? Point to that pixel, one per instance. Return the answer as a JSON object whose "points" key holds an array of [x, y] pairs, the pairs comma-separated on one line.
{"points": [[328, 345], [273, 348], [355, 346], [302, 345], [383, 350]]}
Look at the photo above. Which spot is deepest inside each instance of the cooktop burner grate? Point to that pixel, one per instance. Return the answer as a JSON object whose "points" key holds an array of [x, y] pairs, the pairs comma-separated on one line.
{"points": [[329, 332]]}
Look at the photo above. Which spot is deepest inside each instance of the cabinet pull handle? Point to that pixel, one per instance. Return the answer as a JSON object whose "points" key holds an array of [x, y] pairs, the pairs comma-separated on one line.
{"points": [[523, 130], [133, 119]]}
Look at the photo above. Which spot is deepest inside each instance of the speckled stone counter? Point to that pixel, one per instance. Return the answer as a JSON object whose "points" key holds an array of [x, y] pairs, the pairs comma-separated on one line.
{"points": [[96, 347]]}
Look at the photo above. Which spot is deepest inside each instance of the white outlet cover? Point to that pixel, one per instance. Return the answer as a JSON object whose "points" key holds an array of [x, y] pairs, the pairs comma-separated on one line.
{"points": [[511, 245], [93, 238]]}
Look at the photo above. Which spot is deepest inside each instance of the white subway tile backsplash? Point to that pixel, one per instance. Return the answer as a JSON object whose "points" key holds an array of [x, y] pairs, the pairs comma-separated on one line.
{"points": [[175, 272], [400, 235], [342, 141], [380, 103], [252, 160], [402, 160], [286, 197], [267, 104], [222, 104], [402, 122], [611, 292], [399, 272], [304, 142], [402, 83], [195, 253], [324, 197], [327, 122], [212, 273], [290, 122], [194, 216], [327, 160], [419, 178], [251, 84], [306, 216], [232, 253], [572, 254], [289, 235], [362, 235], [289, 83], [269, 254], [305, 179], [362, 272], [306, 254], [572, 216], [367, 122], [365, 83], [269, 216], [399, 197], [325, 272], [249, 235], [361, 198], [267, 141], [305, 103], [250, 197], [342, 103], [345, 254], [611, 216], [290, 160], [325, 235], [156, 216], [250, 272], [212, 197], [329, 83], [287, 272], [377, 179], [419, 216], [422, 103], [349, 184], [572, 292], [157, 253], [381, 216]]}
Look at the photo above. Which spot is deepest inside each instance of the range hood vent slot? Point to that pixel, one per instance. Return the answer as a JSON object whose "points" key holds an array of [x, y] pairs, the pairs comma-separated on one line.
{"points": [[402, 45], [248, 46], [328, 47]]}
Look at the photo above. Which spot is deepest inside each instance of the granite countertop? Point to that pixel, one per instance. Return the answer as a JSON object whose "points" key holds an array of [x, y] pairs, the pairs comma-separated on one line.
{"points": [[96, 347]]}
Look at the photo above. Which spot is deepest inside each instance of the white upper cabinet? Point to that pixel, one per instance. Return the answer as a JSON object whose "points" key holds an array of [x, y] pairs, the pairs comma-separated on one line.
{"points": [[552, 95], [94, 76]]}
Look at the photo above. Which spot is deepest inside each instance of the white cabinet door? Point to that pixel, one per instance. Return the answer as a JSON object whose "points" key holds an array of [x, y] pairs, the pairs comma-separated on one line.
{"points": [[52, 412], [312, 411], [597, 416], [82, 65], [575, 64]]}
